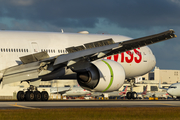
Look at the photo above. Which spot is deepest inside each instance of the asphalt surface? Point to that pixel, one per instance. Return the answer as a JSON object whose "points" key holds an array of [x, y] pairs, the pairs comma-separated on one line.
{"points": [[86, 104]]}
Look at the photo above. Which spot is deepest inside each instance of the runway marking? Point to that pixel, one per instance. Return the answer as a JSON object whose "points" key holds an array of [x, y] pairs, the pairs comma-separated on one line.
{"points": [[165, 104], [20, 106]]}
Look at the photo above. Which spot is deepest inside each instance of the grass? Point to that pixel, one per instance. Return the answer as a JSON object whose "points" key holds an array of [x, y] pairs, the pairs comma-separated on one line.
{"points": [[138, 113]]}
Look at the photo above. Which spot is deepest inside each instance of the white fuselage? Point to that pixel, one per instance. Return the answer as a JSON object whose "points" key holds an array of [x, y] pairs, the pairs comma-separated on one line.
{"points": [[15, 44], [174, 90]]}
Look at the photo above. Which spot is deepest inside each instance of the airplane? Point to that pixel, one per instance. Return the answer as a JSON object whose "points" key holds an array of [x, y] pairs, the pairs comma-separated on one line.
{"points": [[173, 90], [69, 91], [145, 91], [123, 92], [100, 63], [150, 94], [118, 94], [142, 94], [161, 95]]}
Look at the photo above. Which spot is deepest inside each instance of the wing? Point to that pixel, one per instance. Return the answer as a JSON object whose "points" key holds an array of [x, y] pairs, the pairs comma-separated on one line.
{"points": [[104, 48]]}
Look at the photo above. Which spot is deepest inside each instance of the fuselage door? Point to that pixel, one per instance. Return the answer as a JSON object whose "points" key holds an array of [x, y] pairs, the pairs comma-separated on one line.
{"points": [[35, 47]]}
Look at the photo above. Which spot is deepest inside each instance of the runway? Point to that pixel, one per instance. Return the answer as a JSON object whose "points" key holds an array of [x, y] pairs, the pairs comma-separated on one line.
{"points": [[85, 104]]}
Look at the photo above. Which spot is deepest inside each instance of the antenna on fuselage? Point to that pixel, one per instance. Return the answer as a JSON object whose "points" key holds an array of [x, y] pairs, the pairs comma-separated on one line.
{"points": [[62, 31]]}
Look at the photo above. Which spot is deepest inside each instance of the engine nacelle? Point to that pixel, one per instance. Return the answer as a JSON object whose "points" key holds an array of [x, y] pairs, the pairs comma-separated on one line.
{"points": [[102, 76]]}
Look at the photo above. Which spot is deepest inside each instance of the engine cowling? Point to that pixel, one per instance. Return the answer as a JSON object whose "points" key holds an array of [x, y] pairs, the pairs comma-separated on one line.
{"points": [[102, 76]]}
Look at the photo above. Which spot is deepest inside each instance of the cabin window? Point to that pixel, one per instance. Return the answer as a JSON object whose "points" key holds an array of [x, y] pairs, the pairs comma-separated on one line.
{"points": [[1, 50]]}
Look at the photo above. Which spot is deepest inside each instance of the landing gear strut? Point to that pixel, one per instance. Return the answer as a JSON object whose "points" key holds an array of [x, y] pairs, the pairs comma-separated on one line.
{"points": [[131, 94], [32, 94]]}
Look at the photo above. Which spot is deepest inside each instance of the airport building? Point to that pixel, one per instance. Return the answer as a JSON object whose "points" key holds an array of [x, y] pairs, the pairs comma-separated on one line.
{"points": [[151, 79], [162, 75]]}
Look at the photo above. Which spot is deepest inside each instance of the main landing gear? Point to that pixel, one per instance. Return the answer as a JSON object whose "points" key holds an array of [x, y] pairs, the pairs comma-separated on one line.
{"points": [[131, 94], [31, 95]]}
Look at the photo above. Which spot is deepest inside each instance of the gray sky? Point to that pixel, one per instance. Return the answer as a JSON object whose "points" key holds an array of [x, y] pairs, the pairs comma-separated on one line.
{"points": [[133, 18]]}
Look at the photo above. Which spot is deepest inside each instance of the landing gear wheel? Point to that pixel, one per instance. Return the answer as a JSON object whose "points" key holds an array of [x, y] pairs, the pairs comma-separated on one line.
{"points": [[29, 96], [131, 95], [128, 95], [37, 96], [134, 95], [20, 96], [44, 96]]}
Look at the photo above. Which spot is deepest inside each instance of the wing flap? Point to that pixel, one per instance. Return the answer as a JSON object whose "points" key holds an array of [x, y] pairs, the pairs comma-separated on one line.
{"points": [[99, 43], [75, 49], [21, 73], [90, 45], [34, 57], [84, 54]]}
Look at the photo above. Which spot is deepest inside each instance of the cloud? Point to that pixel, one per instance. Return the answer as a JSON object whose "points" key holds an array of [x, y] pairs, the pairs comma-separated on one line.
{"points": [[21, 2], [176, 2], [129, 14]]}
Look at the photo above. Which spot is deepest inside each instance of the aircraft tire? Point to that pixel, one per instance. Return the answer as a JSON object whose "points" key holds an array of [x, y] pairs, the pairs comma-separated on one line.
{"points": [[44, 96], [20, 96], [134, 95], [37, 96], [128, 95], [29, 96]]}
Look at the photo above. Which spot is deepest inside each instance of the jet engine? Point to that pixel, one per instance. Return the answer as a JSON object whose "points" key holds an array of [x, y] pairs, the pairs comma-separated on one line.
{"points": [[102, 76]]}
